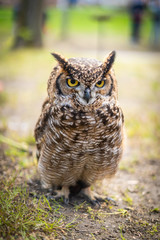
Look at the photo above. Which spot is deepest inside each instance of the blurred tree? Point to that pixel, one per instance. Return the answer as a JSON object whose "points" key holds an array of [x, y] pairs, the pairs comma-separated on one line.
{"points": [[28, 21]]}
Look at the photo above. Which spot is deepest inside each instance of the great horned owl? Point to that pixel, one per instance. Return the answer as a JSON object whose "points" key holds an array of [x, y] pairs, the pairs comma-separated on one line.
{"points": [[79, 134]]}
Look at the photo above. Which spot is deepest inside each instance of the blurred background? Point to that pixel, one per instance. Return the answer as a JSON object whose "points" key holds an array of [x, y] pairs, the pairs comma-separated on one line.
{"points": [[86, 24], [31, 30]]}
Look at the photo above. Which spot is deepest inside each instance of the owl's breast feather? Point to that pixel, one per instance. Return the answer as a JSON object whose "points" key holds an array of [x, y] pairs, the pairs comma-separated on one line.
{"points": [[87, 129]]}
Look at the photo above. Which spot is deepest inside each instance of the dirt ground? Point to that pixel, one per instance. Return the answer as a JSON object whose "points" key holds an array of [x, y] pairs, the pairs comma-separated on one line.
{"points": [[135, 214]]}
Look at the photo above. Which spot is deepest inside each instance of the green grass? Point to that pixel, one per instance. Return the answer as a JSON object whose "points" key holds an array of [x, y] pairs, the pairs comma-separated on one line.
{"points": [[154, 229], [3, 98], [128, 199], [81, 19], [156, 210], [25, 62], [121, 232], [22, 216], [5, 20]]}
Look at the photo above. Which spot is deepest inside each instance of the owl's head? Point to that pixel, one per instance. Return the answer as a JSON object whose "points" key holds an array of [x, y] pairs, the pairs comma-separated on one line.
{"points": [[83, 80]]}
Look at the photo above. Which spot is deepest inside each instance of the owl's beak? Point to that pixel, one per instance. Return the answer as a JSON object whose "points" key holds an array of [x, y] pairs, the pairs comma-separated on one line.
{"points": [[87, 94]]}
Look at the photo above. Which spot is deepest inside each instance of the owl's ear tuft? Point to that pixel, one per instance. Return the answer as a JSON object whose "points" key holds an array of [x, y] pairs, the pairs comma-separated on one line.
{"points": [[108, 62], [61, 60]]}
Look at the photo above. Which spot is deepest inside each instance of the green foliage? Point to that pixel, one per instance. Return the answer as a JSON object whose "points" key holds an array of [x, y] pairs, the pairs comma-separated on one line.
{"points": [[19, 149], [21, 216], [10, 142], [93, 237], [123, 212], [156, 86], [156, 210], [30, 140], [79, 206], [91, 212], [25, 62], [121, 231], [6, 18], [139, 128], [154, 229], [3, 98], [128, 199]]}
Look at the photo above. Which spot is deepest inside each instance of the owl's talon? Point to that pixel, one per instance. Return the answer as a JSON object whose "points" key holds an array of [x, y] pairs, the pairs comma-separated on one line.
{"points": [[96, 203], [95, 199], [93, 202], [54, 194], [108, 199], [91, 197], [50, 197], [66, 201], [63, 193], [58, 197]]}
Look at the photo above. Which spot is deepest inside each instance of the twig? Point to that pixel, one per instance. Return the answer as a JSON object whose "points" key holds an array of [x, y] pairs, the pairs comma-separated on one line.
{"points": [[21, 146]]}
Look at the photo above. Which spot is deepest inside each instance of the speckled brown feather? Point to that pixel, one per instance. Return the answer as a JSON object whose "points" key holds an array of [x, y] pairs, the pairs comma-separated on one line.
{"points": [[78, 141]]}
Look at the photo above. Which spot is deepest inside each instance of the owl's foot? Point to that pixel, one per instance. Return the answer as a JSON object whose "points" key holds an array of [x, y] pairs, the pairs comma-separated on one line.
{"points": [[63, 193], [94, 198]]}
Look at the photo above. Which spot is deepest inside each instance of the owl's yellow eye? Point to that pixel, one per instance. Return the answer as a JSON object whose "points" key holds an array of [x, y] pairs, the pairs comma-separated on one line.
{"points": [[100, 84], [72, 82]]}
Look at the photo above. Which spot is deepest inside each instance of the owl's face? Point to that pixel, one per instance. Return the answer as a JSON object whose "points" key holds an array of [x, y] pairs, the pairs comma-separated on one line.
{"points": [[85, 80]]}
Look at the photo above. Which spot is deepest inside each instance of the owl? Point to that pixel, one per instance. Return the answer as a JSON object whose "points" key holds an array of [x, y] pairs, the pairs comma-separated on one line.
{"points": [[79, 134]]}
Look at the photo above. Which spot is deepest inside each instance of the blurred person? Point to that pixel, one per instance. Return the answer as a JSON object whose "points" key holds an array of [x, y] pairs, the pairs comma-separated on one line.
{"points": [[64, 6], [136, 9], [154, 6], [16, 13], [44, 19], [72, 2]]}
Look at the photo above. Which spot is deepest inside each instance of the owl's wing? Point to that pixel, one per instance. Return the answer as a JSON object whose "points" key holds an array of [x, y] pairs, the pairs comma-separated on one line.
{"points": [[41, 124]]}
